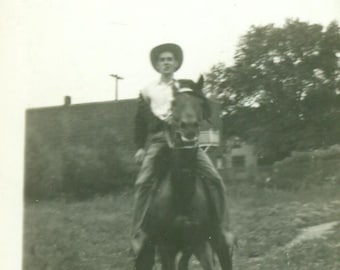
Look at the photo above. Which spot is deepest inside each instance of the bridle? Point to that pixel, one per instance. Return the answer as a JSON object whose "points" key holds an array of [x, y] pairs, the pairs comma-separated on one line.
{"points": [[172, 145], [167, 133], [169, 122]]}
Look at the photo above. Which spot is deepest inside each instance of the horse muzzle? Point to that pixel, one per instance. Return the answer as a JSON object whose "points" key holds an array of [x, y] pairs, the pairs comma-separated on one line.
{"points": [[189, 140], [184, 141]]}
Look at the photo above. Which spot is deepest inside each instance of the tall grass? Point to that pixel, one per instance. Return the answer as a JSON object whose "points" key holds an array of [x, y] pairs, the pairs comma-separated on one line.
{"points": [[94, 234]]}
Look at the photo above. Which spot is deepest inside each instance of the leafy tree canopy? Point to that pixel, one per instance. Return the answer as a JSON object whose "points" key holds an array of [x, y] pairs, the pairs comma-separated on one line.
{"points": [[283, 91]]}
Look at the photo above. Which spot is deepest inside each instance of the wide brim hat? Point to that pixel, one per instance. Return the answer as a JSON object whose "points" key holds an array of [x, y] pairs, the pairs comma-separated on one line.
{"points": [[166, 47]]}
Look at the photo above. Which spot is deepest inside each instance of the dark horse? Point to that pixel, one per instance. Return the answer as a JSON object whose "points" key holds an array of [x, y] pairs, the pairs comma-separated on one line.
{"points": [[179, 220]]}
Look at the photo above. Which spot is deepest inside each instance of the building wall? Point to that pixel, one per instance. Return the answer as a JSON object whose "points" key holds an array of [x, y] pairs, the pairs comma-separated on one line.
{"points": [[246, 151], [54, 133], [240, 159]]}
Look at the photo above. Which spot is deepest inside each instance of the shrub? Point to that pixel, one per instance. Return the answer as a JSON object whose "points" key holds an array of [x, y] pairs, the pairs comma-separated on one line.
{"points": [[303, 169]]}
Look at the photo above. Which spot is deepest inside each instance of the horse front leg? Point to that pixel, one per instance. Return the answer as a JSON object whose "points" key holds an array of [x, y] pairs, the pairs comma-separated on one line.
{"points": [[223, 249], [168, 257], [145, 258], [205, 256], [183, 263]]}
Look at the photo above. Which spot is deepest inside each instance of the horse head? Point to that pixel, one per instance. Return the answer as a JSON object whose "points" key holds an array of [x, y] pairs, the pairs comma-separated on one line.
{"points": [[189, 108]]}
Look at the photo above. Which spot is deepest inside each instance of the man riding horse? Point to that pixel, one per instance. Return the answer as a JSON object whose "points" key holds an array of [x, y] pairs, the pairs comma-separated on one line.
{"points": [[154, 109]]}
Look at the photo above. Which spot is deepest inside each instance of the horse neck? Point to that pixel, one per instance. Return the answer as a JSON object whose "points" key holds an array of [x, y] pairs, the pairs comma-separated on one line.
{"points": [[184, 175]]}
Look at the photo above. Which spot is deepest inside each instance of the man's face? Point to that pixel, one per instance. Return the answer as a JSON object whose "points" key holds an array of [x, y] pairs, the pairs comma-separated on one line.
{"points": [[166, 64]]}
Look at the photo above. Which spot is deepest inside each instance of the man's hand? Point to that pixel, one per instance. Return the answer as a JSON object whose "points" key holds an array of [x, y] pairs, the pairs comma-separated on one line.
{"points": [[139, 156]]}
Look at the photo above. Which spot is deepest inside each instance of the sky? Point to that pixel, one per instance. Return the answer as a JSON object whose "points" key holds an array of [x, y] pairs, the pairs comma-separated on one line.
{"points": [[69, 47], [53, 48]]}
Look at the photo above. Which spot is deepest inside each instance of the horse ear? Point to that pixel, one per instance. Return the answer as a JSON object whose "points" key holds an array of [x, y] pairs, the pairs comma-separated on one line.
{"points": [[200, 82]]}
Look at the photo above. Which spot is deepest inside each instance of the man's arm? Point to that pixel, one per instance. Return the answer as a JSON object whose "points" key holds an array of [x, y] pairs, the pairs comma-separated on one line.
{"points": [[141, 126]]}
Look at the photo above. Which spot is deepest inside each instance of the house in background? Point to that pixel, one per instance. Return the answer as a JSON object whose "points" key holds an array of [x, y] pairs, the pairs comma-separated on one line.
{"points": [[240, 159], [234, 158]]}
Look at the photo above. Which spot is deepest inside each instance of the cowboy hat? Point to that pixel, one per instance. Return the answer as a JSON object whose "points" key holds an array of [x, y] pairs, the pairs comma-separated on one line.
{"points": [[166, 47]]}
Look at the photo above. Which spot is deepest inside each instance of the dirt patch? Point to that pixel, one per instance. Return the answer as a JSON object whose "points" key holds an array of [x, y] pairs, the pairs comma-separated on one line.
{"points": [[313, 232]]}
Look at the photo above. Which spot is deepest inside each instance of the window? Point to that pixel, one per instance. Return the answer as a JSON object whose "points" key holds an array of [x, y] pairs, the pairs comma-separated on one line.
{"points": [[237, 143]]}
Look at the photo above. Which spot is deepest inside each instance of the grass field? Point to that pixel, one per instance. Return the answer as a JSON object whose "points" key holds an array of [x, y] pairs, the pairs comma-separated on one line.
{"points": [[93, 234]]}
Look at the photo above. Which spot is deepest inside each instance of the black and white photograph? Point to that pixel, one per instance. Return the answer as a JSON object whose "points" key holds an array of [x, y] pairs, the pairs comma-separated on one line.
{"points": [[170, 135]]}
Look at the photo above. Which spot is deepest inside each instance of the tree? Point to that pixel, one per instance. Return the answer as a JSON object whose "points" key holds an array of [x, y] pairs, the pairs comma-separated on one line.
{"points": [[282, 93]]}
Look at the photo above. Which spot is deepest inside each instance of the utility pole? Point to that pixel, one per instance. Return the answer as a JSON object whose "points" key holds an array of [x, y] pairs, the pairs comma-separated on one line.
{"points": [[117, 77]]}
